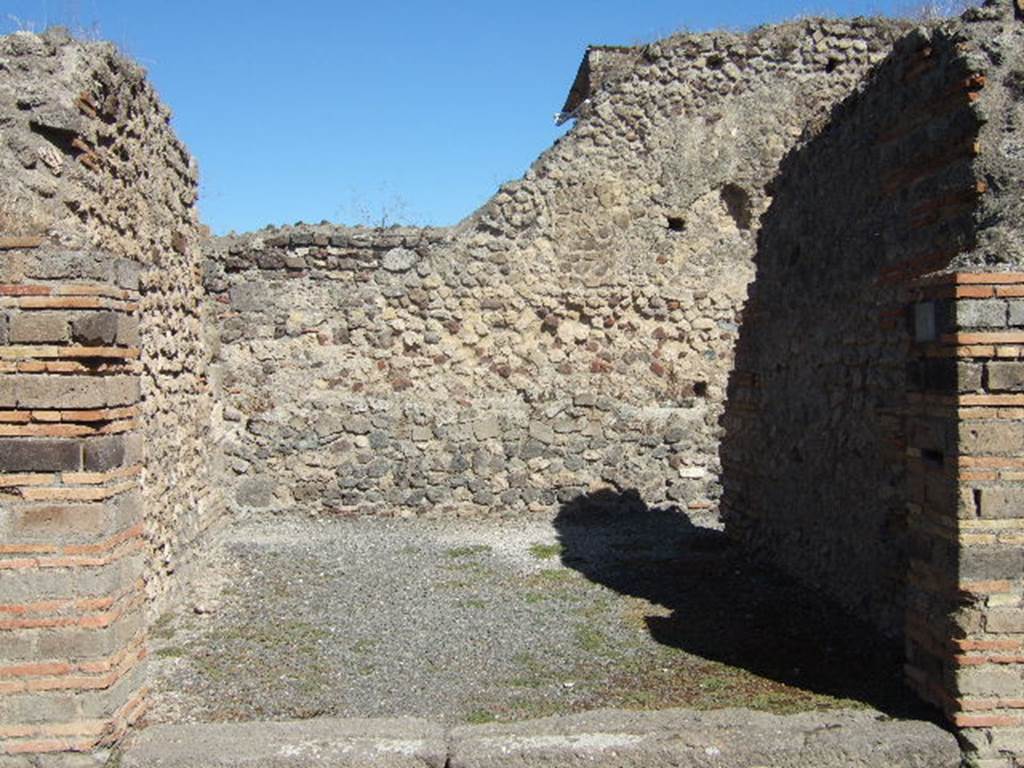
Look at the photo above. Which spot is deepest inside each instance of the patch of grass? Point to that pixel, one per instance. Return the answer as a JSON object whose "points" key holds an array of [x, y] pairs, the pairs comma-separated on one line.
{"points": [[550, 576], [288, 634], [474, 603], [546, 551], [596, 609], [637, 611], [468, 551], [453, 584], [170, 653], [533, 597], [590, 639], [470, 566], [531, 709], [481, 716], [161, 628], [533, 674], [714, 683]]}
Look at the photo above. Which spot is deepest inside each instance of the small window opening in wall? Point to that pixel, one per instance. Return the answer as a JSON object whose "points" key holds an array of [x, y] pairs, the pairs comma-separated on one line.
{"points": [[924, 321], [676, 223], [700, 388]]}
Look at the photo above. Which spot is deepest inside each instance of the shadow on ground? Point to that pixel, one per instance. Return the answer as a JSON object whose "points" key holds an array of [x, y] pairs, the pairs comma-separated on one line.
{"points": [[726, 607]]}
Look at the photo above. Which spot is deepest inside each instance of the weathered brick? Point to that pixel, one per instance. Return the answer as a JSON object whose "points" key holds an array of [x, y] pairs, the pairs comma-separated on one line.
{"points": [[1006, 376], [1008, 740], [1010, 620], [95, 329], [969, 376], [103, 453], [127, 274], [991, 437], [97, 704], [11, 242], [59, 523], [22, 586], [17, 647], [41, 391], [1016, 311], [29, 455], [1000, 503], [38, 327], [86, 644], [990, 562], [38, 708], [987, 313], [989, 680], [128, 330], [133, 448]]}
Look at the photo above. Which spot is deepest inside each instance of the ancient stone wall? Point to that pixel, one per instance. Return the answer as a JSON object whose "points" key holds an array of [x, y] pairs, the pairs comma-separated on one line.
{"points": [[814, 429], [105, 411], [576, 332], [868, 415]]}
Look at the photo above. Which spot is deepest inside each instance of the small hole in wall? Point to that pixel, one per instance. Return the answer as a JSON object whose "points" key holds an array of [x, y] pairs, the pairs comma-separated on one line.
{"points": [[700, 388], [61, 138], [676, 223], [737, 202], [832, 65]]}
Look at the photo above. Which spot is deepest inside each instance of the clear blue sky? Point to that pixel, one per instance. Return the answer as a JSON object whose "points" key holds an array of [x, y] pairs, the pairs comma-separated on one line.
{"points": [[339, 110]]}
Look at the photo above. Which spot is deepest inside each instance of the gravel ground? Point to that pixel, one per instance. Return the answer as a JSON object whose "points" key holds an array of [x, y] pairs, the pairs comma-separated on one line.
{"points": [[475, 621]]}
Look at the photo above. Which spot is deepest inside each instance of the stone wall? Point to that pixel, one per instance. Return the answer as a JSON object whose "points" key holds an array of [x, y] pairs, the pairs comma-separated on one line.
{"points": [[852, 453], [574, 333], [814, 428], [105, 413]]}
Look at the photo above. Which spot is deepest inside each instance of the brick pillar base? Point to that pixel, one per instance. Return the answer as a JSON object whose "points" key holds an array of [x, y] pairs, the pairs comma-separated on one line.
{"points": [[71, 533]]}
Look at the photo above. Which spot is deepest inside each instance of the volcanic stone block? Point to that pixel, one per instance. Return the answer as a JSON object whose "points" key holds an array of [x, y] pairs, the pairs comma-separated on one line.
{"points": [[38, 327], [981, 314], [1006, 376], [103, 453], [95, 329], [1001, 503], [28, 455]]}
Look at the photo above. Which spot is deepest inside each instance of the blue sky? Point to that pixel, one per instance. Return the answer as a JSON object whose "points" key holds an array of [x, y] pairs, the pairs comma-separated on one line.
{"points": [[361, 111]]}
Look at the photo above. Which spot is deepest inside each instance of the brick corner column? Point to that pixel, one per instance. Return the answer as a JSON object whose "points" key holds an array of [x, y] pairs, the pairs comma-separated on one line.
{"points": [[965, 429], [72, 632]]}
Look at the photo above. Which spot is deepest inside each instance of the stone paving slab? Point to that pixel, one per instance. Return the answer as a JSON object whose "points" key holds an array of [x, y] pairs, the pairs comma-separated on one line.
{"points": [[679, 738], [320, 742], [675, 738]]}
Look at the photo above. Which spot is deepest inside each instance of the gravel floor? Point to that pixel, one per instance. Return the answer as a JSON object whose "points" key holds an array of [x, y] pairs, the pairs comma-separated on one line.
{"points": [[470, 621]]}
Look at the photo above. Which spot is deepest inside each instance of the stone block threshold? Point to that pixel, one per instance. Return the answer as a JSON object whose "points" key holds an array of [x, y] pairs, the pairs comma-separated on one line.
{"points": [[614, 738]]}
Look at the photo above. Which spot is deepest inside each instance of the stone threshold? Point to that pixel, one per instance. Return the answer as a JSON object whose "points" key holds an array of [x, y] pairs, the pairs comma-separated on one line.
{"points": [[600, 739]]}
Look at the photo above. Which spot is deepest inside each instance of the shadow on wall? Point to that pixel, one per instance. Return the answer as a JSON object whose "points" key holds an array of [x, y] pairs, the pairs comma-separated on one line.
{"points": [[726, 607]]}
